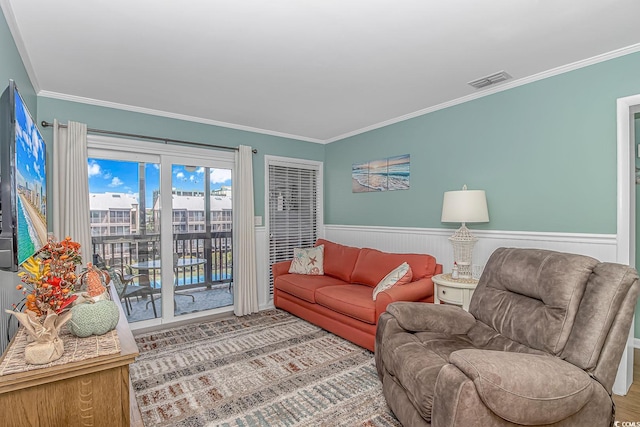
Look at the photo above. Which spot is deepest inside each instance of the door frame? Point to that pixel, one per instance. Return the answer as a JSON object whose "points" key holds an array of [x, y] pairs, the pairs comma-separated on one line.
{"points": [[626, 218], [167, 154], [291, 162], [166, 227]]}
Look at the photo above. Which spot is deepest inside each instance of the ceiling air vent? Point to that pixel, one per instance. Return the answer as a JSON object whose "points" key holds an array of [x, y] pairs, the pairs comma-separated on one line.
{"points": [[500, 76]]}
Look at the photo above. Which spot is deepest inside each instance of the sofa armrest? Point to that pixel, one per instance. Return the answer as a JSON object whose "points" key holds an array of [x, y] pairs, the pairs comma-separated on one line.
{"points": [[414, 291], [525, 388], [418, 317], [280, 268]]}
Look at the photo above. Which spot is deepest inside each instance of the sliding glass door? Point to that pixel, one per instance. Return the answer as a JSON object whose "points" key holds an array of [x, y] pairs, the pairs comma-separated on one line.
{"points": [[201, 234], [162, 226], [126, 239]]}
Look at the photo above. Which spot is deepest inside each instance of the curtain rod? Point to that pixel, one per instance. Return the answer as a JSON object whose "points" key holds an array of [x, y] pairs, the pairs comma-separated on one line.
{"points": [[152, 138]]}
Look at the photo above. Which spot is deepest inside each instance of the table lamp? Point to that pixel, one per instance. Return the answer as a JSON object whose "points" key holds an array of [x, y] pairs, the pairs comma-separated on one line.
{"points": [[464, 206]]}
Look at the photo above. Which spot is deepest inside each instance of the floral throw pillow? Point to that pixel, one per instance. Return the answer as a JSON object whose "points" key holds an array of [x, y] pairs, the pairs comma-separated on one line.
{"points": [[308, 261], [400, 275]]}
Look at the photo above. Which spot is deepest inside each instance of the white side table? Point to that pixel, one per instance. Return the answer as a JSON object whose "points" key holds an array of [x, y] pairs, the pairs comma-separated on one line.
{"points": [[453, 291]]}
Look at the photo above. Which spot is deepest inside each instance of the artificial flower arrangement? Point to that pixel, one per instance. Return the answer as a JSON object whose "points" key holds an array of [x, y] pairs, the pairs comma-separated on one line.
{"points": [[48, 280], [48, 283], [48, 277]]}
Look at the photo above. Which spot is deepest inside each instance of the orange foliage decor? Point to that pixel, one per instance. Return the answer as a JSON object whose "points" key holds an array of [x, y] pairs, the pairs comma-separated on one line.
{"points": [[93, 280], [48, 277]]}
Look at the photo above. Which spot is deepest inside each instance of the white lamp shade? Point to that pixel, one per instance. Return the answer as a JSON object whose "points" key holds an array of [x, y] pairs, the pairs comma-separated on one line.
{"points": [[465, 206]]}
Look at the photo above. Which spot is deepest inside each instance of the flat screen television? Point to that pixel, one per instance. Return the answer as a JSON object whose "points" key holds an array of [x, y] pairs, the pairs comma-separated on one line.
{"points": [[23, 182]]}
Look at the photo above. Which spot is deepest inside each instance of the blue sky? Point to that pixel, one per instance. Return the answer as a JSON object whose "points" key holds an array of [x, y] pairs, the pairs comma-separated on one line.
{"points": [[30, 148], [116, 176]]}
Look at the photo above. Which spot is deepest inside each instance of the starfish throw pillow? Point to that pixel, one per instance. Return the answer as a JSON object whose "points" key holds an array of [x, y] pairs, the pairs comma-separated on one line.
{"points": [[308, 261]]}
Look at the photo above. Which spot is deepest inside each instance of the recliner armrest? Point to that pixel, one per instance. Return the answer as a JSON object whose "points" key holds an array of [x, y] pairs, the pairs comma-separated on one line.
{"points": [[525, 388], [418, 317]]}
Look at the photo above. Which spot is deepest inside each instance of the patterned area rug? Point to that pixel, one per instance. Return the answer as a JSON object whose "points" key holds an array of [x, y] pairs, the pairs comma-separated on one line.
{"points": [[266, 369]]}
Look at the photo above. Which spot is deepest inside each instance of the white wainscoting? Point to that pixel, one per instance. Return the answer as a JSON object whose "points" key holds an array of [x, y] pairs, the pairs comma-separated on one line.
{"points": [[8, 295], [265, 301], [436, 243]]}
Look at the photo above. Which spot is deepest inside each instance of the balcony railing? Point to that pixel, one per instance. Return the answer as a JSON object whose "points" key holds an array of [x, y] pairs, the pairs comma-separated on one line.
{"points": [[214, 249]]}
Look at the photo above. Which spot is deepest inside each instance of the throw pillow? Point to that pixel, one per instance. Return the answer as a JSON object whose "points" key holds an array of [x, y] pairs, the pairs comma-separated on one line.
{"points": [[308, 261], [400, 275]]}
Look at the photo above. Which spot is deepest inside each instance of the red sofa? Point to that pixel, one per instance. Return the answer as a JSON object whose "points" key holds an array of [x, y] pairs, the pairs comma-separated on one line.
{"points": [[341, 300]]}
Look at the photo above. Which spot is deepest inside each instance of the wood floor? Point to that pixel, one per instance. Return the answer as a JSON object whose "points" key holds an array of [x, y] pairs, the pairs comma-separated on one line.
{"points": [[628, 407]]}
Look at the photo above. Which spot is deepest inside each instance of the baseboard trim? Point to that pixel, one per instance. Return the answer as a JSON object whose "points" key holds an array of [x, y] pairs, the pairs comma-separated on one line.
{"points": [[268, 306]]}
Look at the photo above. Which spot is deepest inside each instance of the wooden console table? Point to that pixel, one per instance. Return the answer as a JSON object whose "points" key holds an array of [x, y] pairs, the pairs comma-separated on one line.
{"points": [[91, 392]]}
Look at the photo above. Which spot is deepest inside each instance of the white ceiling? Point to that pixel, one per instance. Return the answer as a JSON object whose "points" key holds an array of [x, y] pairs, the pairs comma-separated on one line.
{"points": [[316, 70]]}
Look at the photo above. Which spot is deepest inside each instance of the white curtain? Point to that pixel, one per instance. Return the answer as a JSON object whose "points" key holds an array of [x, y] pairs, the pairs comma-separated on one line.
{"points": [[245, 298], [71, 186]]}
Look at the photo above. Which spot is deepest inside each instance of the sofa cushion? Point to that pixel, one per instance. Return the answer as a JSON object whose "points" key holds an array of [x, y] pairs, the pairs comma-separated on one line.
{"points": [[350, 300], [304, 287], [339, 260], [401, 275], [372, 265], [308, 261]]}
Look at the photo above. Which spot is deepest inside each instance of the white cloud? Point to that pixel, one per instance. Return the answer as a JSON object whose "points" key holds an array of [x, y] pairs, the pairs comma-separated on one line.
{"points": [[180, 175], [36, 146], [115, 182], [220, 175], [200, 170], [94, 169]]}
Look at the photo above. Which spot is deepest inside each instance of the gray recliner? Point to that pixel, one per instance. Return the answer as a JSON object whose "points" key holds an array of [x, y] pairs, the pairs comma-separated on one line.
{"points": [[540, 345]]}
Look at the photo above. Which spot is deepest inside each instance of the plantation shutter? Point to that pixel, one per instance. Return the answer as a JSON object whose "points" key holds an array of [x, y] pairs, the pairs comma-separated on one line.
{"points": [[293, 211]]}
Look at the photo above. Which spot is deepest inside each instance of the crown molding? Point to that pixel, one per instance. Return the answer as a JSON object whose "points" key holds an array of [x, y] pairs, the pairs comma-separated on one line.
{"points": [[491, 90], [482, 93], [17, 38], [167, 114]]}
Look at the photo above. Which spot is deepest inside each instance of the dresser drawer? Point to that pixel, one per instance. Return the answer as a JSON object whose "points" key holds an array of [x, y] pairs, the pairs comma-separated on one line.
{"points": [[450, 295]]}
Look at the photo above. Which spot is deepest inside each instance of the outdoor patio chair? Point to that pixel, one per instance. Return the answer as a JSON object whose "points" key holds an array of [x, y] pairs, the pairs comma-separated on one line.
{"points": [[176, 257], [127, 288]]}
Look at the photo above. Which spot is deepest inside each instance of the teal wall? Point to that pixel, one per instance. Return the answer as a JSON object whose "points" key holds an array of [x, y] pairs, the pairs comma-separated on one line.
{"points": [[544, 152], [125, 121], [11, 67]]}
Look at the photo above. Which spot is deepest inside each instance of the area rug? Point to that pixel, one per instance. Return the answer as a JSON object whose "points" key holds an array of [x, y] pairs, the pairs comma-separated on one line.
{"points": [[266, 369]]}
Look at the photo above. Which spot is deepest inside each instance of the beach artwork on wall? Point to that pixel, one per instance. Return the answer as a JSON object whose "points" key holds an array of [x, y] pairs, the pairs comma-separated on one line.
{"points": [[387, 174]]}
